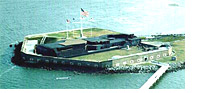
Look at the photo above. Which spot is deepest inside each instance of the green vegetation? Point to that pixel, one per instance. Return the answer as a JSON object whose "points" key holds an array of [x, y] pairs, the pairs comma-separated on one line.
{"points": [[91, 32], [142, 37], [103, 56], [146, 64], [34, 38], [53, 37], [59, 35], [169, 38], [178, 45], [179, 48]]}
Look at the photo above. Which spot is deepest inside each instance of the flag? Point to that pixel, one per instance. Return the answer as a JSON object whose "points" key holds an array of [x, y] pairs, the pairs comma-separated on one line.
{"points": [[68, 21], [84, 13]]}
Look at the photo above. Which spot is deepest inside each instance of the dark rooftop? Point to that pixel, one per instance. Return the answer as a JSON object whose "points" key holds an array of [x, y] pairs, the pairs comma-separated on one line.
{"points": [[73, 42], [54, 45]]}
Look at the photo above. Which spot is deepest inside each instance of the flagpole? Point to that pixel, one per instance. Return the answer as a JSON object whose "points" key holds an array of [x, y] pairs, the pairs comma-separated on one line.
{"points": [[73, 33], [91, 20], [81, 25], [91, 32], [68, 32], [91, 29], [73, 27], [67, 28]]}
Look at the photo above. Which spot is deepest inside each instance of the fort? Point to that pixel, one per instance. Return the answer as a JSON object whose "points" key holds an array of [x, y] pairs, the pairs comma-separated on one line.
{"points": [[104, 49], [108, 50]]}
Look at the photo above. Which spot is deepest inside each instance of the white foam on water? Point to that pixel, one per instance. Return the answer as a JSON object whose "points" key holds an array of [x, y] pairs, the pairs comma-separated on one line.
{"points": [[62, 78], [7, 70]]}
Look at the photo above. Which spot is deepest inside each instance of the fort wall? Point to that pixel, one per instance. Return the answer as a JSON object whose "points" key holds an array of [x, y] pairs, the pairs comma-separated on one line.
{"points": [[140, 57], [64, 61], [123, 61]]}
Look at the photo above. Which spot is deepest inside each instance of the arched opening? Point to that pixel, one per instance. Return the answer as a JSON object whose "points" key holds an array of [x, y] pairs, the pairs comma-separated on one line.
{"points": [[158, 56], [145, 59], [132, 61], [107, 66], [71, 63], [151, 57], [79, 64]]}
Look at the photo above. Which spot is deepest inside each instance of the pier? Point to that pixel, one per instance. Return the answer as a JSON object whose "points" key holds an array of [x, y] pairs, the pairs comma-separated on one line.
{"points": [[156, 75]]}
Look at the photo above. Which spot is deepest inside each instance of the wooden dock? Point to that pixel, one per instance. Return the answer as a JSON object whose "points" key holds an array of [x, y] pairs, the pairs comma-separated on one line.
{"points": [[156, 75]]}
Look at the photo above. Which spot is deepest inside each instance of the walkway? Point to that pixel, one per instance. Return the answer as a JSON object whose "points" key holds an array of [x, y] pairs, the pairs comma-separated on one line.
{"points": [[156, 75]]}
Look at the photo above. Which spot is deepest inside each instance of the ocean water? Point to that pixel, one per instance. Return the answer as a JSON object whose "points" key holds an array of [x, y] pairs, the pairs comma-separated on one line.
{"points": [[19, 18]]}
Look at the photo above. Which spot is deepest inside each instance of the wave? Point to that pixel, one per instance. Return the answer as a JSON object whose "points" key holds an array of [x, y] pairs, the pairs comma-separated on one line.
{"points": [[7, 70]]}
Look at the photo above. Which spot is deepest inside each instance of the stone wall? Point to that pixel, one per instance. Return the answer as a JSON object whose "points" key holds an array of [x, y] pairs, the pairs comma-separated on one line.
{"points": [[65, 61], [124, 61], [140, 57]]}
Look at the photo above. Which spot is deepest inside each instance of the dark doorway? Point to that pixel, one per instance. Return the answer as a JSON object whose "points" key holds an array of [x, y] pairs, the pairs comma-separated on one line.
{"points": [[145, 59]]}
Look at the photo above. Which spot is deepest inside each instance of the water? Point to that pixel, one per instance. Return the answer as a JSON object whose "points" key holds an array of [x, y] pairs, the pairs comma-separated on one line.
{"points": [[24, 17]]}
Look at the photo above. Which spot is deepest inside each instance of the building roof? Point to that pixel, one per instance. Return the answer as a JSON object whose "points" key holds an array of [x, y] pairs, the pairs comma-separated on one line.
{"points": [[53, 45], [96, 39], [112, 38], [117, 40], [73, 42], [63, 43], [157, 44]]}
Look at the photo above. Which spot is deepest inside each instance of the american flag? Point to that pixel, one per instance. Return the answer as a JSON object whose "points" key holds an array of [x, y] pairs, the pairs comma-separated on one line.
{"points": [[84, 13], [68, 21]]}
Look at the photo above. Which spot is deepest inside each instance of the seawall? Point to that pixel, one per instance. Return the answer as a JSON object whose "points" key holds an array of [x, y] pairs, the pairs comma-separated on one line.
{"points": [[144, 69]]}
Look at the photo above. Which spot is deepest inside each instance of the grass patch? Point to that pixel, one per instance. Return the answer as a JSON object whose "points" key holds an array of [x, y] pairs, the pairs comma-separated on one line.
{"points": [[103, 56], [91, 32], [53, 37], [179, 48], [143, 38], [170, 38]]}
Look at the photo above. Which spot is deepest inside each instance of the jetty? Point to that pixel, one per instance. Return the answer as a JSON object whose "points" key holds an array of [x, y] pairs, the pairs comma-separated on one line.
{"points": [[156, 75]]}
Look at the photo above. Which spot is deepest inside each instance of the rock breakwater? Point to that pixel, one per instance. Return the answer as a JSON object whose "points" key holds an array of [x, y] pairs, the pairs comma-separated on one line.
{"points": [[144, 69]]}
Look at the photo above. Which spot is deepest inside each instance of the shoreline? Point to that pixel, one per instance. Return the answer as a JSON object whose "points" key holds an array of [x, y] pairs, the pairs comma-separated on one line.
{"points": [[144, 69]]}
